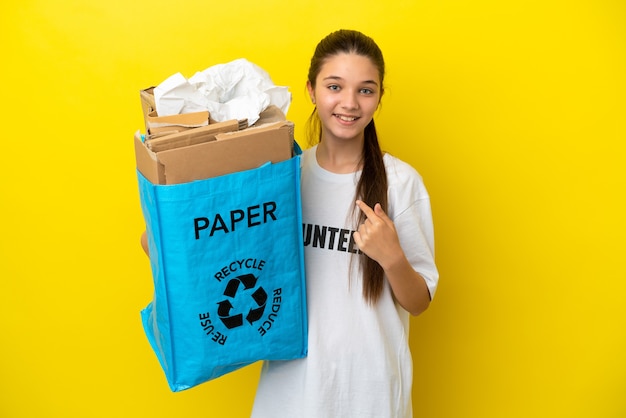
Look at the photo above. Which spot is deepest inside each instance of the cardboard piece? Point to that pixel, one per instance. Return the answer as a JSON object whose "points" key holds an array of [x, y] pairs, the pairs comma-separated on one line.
{"points": [[191, 137], [148, 104], [230, 152], [160, 125], [176, 152]]}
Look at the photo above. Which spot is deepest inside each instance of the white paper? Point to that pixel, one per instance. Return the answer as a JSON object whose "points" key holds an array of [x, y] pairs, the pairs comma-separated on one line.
{"points": [[235, 90]]}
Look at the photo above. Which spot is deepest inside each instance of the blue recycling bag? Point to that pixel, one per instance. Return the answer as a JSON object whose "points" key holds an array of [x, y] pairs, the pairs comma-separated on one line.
{"points": [[228, 267]]}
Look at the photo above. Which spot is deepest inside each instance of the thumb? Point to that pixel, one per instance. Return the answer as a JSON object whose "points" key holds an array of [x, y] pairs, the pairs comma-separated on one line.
{"points": [[378, 210]]}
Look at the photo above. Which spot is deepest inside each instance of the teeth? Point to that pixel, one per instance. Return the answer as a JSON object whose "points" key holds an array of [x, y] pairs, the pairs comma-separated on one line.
{"points": [[346, 118]]}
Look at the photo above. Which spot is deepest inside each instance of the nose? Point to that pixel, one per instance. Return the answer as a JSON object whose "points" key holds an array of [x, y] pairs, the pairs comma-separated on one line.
{"points": [[350, 99]]}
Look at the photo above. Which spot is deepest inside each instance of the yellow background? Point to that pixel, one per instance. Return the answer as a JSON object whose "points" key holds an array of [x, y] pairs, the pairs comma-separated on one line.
{"points": [[513, 112]]}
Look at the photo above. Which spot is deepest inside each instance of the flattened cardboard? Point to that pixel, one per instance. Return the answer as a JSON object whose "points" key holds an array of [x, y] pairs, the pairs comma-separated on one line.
{"points": [[191, 137], [176, 123], [228, 153], [148, 105], [156, 124], [209, 151]]}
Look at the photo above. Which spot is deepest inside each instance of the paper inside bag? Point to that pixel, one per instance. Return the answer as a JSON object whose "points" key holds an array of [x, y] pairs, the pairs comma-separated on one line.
{"points": [[235, 90]]}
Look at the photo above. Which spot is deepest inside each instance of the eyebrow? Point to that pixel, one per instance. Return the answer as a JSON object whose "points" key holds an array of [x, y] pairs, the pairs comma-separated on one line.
{"points": [[336, 77]]}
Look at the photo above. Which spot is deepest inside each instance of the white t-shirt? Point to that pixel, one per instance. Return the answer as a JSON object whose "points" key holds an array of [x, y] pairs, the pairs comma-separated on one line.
{"points": [[358, 364]]}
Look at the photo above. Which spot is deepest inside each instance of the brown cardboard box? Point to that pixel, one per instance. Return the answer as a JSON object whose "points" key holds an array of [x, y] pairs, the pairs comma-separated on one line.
{"points": [[227, 153]]}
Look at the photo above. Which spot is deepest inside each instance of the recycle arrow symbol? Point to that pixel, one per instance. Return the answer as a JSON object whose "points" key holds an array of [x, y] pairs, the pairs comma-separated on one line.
{"points": [[223, 311], [224, 307], [260, 297], [248, 280]]}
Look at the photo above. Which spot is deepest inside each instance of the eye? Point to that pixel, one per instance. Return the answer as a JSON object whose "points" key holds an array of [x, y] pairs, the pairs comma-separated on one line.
{"points": [[333, 87], [366, 91]]}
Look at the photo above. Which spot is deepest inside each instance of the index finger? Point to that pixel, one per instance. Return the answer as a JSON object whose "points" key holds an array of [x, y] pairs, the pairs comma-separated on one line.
{"points": [[369, 212]]}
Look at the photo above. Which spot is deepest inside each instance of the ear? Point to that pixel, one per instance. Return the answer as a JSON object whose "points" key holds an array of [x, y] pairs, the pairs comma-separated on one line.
{"points": [[311, 91]]}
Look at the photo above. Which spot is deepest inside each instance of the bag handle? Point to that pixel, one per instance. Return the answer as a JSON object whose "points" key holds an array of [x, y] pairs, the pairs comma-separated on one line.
{"points": [[296, 148]]}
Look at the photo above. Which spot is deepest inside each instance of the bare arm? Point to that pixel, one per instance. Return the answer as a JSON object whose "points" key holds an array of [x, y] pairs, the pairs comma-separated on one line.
{"points": [[377, 237]]}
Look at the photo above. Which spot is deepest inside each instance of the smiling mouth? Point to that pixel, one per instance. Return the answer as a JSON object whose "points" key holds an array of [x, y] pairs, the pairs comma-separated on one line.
{"points": [[346, 118]]}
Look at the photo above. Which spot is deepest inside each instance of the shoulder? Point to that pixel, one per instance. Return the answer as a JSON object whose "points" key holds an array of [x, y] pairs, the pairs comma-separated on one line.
{"points": [[309, 151], [307, 156], [393, 162], [405, 185], [401, 174]]}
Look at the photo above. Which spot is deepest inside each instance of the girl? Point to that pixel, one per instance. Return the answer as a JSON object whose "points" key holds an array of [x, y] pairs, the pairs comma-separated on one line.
{"points": [[368, 251]]}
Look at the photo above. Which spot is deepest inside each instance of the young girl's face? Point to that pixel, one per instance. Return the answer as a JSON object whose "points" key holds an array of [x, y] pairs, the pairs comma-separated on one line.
{"points": [[347, 92]]}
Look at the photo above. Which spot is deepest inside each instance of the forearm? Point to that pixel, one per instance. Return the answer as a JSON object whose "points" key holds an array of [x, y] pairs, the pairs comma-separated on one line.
{"points": [[408, 286], [378, 239]]}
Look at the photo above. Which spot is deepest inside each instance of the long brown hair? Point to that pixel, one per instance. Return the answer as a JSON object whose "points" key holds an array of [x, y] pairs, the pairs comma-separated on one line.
{"points": [[372, 185]]}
